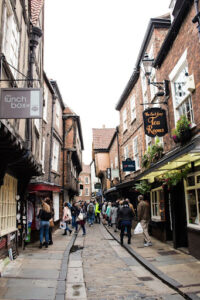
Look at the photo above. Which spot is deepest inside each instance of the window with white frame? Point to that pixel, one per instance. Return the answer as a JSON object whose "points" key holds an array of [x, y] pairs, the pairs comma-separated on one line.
{"points": [[86, 192], [136, 153], [55, 156], [157, 196], [11, 37], [192, 196], [124, 119], [57, 114], [144, 89], [126, 152], [8, 192], [182, 99], [148, 141], [86, 180], [45, 103], [133, 108]]}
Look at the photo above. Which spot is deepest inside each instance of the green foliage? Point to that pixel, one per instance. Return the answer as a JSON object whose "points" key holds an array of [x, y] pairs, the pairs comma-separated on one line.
{"points": [[153, 154], [183, 126], [143, 187], [174, 177]]}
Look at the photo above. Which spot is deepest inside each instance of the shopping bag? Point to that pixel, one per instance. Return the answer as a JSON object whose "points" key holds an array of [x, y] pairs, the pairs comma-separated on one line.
{"points": [[80, 217], [138, 229], [62, 225]]}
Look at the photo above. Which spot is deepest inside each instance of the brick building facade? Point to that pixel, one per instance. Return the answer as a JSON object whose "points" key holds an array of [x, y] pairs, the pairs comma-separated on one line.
{"points": [[85, 184]]}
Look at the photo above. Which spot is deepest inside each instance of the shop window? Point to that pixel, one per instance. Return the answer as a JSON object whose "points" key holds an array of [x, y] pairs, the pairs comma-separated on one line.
{"points": [[8, 192], [192, 190], [157, 205]]}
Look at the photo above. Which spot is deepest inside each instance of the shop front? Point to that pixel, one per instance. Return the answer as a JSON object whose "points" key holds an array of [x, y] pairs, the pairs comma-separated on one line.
{"points": [[175, 197], [37, 192]]}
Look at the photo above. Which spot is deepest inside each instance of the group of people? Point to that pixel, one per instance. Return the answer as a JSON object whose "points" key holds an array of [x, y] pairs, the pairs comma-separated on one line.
{"points": [[121, 214]]}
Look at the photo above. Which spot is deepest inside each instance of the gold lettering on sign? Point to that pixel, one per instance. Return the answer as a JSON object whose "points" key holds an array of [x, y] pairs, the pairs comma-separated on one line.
{"points": [[152, 116]]}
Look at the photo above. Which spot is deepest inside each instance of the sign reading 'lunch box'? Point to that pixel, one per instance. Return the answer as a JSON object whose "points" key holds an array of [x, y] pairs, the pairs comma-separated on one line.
{"points": [[155, 122], [17, 103]]}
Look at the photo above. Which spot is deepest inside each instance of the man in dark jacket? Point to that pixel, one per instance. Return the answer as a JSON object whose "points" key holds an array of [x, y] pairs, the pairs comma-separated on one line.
{"points": [[125, 217], [143, 214]]}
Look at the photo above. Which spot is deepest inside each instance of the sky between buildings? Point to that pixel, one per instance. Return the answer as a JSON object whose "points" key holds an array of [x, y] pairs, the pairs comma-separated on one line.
{"points": [[91, 47]]}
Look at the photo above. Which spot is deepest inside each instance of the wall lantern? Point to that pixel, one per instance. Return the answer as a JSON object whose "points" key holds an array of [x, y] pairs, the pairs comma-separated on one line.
{"points": [[163, 87]]}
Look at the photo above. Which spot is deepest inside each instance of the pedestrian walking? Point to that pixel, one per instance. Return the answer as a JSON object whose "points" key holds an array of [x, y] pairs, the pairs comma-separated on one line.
{"points": [[83, 214], [90, 213], [108, 210], [97, 212], [67, 217], [113, 215], [74, 213], [51, 222], [44, 216], [125, 217], [143, 214]]}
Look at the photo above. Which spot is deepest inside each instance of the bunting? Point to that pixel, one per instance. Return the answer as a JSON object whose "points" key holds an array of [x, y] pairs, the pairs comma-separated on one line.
{"points": [[36, 6]]}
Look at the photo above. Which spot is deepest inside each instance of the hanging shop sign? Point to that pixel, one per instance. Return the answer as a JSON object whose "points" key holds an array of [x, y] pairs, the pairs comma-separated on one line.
{"points": [[97, 186], [128, 165], [155, 122], [21, 103]]}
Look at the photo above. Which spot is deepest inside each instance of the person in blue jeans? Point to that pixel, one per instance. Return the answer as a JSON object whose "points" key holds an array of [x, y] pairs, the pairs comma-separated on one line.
{"points": [[75, 213], [44, 216], [125, 216], [90, 213]]}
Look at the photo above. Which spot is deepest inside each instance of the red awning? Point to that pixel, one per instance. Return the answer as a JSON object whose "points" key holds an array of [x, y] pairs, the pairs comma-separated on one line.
{"points": [[43, 187]]}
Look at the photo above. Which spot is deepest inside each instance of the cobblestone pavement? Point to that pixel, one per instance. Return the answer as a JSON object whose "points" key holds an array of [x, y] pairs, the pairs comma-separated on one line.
{"points": [[111, 273]]}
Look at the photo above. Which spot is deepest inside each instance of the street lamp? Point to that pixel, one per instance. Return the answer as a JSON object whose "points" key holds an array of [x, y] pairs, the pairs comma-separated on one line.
{"points": [[163, 87]]}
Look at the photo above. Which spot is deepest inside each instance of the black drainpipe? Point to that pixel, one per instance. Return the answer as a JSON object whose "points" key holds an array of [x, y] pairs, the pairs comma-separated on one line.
{"points": [[197, 17]]}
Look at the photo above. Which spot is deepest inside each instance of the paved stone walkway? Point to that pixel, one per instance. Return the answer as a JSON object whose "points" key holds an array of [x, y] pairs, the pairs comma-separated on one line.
{"points": [[34, 274]]}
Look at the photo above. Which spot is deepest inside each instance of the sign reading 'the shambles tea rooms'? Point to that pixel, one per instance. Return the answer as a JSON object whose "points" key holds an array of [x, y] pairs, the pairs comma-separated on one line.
{"points": [[155, 122]]}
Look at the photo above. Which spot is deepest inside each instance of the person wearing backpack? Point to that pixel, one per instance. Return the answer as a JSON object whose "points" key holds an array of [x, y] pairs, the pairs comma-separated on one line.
{"points": [[90, 213]]}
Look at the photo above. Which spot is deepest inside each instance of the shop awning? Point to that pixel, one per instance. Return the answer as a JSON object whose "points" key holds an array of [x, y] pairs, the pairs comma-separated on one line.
{"points": [[173, 160], [110, 190], [43, 187]]}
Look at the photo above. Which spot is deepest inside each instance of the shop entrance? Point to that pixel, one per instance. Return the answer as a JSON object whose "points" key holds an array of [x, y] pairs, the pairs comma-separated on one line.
{"points": [[178, 215]]}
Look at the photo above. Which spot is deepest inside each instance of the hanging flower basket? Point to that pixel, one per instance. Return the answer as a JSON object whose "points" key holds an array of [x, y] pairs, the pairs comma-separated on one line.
{"points": [[182, 132]]}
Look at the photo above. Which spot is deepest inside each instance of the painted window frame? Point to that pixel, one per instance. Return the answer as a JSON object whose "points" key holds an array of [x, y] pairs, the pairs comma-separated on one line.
{"points": [[124, 118], [55, 156], [188, 188], [133, 108], [175, 73], [136, 153], [153, 203]]}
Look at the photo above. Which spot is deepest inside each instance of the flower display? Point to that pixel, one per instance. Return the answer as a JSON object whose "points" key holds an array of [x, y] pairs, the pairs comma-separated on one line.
{"points": [[182, 132]]}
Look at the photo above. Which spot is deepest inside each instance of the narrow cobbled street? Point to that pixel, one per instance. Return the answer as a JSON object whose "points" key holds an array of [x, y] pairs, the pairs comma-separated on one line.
{"points": [[91, 267]]}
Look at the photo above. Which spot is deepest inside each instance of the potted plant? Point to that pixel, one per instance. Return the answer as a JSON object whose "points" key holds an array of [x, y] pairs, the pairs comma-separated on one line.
{"points": [[182, 132], [153, 154], [174, 177], [143, 187]]}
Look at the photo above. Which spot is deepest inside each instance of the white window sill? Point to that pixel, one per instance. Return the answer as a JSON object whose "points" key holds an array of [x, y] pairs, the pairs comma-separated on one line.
{"points": [[7, 231], [194, 226], [156, 219]]}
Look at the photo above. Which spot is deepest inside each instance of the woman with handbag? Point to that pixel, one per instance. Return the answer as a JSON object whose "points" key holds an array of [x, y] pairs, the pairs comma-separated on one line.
{"points": [[51, 222], [82, 217], [67, 217]]}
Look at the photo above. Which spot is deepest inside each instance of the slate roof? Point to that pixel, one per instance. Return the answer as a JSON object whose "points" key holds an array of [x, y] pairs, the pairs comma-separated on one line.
{"points": [[102, 137]]}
